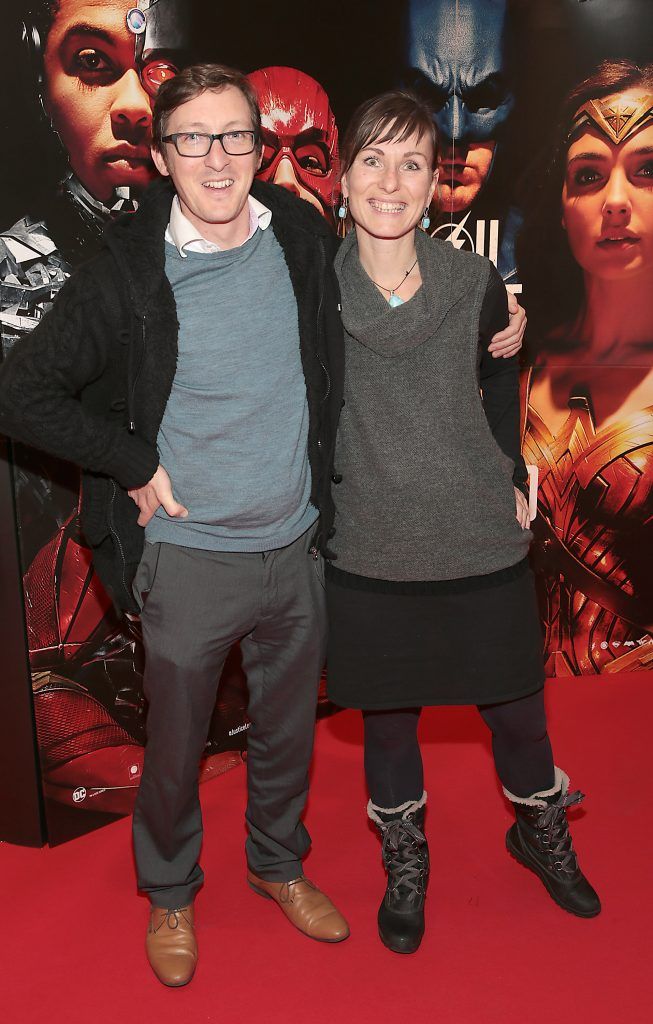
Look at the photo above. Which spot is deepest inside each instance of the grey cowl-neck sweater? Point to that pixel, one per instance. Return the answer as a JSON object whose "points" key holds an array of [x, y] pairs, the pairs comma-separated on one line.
{"points": [[426, 490]]}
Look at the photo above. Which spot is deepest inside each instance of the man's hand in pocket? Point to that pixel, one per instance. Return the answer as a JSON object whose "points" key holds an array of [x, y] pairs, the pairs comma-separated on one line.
{"points": [[155, 494]]}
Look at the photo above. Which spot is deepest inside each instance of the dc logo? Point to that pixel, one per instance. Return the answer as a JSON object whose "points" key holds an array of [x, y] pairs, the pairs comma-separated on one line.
{"points": [[79, 795]]}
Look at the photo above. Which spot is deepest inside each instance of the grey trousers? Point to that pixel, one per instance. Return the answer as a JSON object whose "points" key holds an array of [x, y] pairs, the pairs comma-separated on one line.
{"points": [[195, 606]]}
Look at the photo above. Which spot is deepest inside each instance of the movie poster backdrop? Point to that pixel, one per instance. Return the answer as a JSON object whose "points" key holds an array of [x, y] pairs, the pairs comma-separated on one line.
{"points": [[79, 82]]}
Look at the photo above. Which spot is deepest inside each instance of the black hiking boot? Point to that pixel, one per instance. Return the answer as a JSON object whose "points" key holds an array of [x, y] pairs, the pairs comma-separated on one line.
{"points": [[541, 841], [406, 861]]}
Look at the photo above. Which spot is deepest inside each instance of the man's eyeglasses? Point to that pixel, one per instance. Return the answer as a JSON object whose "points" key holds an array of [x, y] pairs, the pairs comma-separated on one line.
{"points": [[238, 143]]}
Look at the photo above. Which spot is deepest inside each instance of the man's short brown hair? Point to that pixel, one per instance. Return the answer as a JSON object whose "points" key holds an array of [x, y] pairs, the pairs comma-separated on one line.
{"points": [[192, 82]]}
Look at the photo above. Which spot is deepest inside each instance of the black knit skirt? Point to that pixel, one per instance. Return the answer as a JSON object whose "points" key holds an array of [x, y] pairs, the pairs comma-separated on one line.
{"points": [[471, 641]]}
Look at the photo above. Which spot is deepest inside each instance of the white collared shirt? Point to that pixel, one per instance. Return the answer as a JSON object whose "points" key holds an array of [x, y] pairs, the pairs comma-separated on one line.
{"points": [[185, 236]]}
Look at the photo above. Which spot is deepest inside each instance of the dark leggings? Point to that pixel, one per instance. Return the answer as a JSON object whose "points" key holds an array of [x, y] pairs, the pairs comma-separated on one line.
{"points": [[520, 744]]}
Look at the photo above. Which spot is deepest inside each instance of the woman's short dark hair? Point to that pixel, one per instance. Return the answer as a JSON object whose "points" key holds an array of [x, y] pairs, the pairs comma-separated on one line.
{"points": [[394, 115], [553, 282], [192, 82]]}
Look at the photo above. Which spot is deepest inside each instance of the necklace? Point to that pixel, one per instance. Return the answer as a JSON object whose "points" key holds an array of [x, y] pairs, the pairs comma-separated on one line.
{"points": [[395, 300]]}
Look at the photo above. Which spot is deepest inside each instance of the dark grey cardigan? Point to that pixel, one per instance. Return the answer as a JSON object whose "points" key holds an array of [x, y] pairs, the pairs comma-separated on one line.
{"points": [[427, 472]]}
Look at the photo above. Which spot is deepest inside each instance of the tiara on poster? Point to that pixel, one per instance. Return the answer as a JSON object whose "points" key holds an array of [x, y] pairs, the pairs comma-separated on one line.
{"points": [[616, 116]]}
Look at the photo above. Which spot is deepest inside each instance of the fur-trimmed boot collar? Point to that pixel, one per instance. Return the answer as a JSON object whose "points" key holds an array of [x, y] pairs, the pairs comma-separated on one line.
{"points": [[560, 786], [381, 815]]}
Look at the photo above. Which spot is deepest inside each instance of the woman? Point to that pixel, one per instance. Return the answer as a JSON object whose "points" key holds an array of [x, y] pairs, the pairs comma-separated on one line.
{"points": [[431, 531], [586, 259]]}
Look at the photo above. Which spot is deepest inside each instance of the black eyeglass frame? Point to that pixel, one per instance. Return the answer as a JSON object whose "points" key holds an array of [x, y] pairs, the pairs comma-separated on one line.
{"points": [[219, 136]]}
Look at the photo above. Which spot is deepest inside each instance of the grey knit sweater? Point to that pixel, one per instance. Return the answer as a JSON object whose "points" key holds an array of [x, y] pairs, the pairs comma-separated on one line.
{"points": [[426, 490]]}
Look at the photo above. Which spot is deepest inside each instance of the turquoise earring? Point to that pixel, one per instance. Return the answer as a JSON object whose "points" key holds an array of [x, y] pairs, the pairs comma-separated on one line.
{"points": [[342, 212], [426, 220]]}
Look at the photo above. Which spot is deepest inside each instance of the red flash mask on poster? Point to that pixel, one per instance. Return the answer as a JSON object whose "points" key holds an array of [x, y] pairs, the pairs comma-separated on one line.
{"points": [[300, 136]]}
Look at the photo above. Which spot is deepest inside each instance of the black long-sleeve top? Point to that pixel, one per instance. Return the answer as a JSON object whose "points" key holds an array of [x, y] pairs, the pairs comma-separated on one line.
{"points": [[499, 380]]}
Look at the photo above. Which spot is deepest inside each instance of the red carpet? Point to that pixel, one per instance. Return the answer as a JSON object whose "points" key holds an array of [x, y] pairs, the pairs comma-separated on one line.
{"points": [[496, 950]]}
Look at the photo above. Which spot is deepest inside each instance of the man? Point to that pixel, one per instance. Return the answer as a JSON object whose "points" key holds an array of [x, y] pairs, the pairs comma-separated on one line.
{"points": [[456, 55], [241, 403], [195, 369]]}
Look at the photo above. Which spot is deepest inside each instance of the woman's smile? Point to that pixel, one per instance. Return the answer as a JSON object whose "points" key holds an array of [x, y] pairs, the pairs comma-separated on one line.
{"points": [[385, 206]]}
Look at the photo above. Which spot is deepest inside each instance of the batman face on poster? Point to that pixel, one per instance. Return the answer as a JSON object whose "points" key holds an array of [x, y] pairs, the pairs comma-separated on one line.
{"points": [[457, 55]]}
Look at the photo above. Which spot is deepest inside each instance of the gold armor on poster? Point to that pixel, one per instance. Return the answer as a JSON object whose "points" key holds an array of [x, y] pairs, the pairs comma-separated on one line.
{"points": [[587, 266]]}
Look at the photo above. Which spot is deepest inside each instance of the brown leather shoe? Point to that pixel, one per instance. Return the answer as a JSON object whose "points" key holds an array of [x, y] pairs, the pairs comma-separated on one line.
{"points": [[304, 906], [171, 945]]}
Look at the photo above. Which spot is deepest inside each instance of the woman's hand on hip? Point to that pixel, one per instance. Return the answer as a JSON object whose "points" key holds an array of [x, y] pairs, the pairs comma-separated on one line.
{"points": [[509, 341], [521, 509]]}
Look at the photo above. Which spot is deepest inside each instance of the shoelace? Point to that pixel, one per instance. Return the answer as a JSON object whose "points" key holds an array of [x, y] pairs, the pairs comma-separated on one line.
{"points": [[556, 836], [285, 893], [403, 858], [168, 917]]}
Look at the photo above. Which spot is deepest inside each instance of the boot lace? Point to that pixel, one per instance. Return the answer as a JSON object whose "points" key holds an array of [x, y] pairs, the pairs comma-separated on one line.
{"points": [[554, 833], [405, 859]]}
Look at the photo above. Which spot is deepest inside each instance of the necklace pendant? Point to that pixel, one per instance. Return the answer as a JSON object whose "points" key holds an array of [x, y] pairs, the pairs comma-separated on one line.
{"points": [[395, 300]]}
